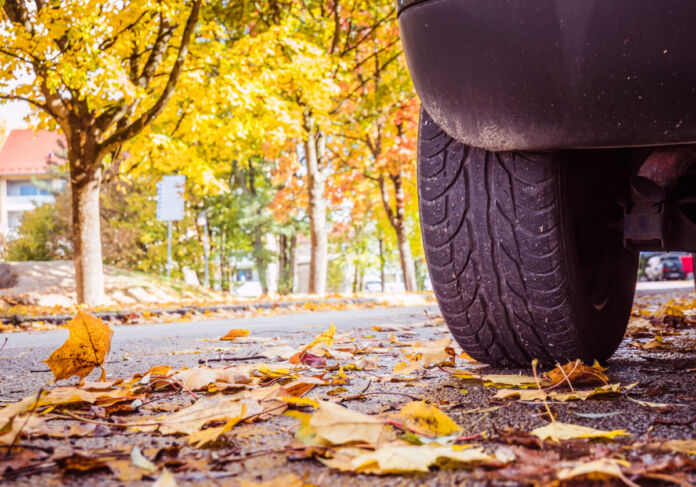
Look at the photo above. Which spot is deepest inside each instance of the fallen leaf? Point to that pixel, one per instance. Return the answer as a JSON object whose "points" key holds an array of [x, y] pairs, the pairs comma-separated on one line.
{"points": [[166, 479], [401, 458], [432, 353], [211, 435], [426, 419], [563, 431], [286, 480], [140, 461], [407, 368], [235, 333], [680, 446], [597, 470], [540, 395], [654, 405], [85, 349], [191, 419], [578, 374], [307, 358], [326, 338], [200, 378], [338, 425]]}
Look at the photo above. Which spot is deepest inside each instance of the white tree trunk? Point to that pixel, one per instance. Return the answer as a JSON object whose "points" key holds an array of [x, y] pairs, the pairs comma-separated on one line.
{"points": [[89, 274]]}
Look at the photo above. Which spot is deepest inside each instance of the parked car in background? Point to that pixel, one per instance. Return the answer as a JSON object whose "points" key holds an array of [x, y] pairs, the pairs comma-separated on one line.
{"points": [[661, 267]]}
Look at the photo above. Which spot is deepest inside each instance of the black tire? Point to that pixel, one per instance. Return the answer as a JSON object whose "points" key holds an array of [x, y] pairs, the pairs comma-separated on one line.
{"points": [[523, 250]]}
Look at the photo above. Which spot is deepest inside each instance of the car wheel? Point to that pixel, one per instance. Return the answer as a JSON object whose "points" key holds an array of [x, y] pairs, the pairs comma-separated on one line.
{"points": [[524, 252]]}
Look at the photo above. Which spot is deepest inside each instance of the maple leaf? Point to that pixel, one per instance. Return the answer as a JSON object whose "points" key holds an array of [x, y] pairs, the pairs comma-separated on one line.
{"points": [[85, 349]]}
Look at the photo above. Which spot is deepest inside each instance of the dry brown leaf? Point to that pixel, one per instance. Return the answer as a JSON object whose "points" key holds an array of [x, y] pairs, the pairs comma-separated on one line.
{"points": [[199, 378], [339, 425], [286, 480], [432, 353], [578, 374], [191, 419], [85, 349], [235, 333]]}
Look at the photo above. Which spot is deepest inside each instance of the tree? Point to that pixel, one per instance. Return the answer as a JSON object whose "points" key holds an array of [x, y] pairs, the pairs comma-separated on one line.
{"points": [[102, 72], [381, 113]]}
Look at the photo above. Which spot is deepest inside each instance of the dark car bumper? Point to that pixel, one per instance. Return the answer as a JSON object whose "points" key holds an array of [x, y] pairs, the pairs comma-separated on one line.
{"points": [[547, 74]]}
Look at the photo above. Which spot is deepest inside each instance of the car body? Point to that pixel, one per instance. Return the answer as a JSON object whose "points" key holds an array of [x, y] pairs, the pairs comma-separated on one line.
{"points": [[664, 266], [550, 74]]}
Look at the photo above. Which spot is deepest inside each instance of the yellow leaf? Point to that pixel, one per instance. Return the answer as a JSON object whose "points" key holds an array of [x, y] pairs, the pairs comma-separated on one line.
{"points": [[210, 435], [407, 368], [597, 470], [426, 419], [85, 349], [301, 401], [339, 425], [680, 446], [538, 395], [232, 334], [401, 458], [563, 431], [326, 338]]}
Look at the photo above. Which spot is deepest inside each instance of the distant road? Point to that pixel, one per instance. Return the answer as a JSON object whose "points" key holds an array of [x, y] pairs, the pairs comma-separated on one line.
{"points": [[664, 287]]}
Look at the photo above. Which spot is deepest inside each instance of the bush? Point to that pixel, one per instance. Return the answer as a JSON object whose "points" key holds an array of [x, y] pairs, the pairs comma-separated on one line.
{"points": [[44, 234]]}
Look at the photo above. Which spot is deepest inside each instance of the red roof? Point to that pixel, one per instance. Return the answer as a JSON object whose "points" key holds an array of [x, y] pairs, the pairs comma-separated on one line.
{"points": [[29, 152]]}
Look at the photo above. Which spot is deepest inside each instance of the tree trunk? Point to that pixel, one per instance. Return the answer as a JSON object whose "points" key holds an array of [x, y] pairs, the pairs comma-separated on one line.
{"points": [[286, 263], [260, 258], [397, 219], [314, 153], [382, 263], [84, 185]]}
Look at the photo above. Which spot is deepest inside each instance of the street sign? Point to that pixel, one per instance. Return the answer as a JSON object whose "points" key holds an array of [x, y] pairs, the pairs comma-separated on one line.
{"points": [[170, 198]]}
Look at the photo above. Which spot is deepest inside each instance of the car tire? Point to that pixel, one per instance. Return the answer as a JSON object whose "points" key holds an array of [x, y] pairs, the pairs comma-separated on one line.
{"points": [[523, 250]]}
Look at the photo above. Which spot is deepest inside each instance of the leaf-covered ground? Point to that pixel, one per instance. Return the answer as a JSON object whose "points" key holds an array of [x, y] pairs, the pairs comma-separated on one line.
{"points": [[395, 404]]}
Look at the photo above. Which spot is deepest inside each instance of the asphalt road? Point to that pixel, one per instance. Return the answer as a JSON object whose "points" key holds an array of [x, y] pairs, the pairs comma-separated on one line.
{"points": [[209, 329], [661, 375]]}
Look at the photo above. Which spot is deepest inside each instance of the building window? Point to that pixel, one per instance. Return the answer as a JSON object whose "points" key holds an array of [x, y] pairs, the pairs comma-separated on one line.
{"points": [[24, 188], [14, 219]]}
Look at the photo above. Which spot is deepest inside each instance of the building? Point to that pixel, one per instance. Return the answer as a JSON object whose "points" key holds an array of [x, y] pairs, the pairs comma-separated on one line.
{"points": [[25, 160]]}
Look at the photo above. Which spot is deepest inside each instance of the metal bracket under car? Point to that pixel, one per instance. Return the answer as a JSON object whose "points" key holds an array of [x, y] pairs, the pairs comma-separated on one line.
{"points": [[658, 226], [652, 221]]}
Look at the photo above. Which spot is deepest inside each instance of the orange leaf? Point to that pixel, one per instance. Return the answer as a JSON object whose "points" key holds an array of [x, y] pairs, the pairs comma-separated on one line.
{"points": [[85, 349], [232, 334]]}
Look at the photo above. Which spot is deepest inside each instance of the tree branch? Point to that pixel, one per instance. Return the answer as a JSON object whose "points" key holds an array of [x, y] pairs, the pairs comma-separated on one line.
{"points": [[138, 125]]}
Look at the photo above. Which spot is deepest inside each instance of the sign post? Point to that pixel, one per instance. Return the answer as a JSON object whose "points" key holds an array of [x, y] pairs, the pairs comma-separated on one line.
{"points": [[203, 220], [170, 207]]}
